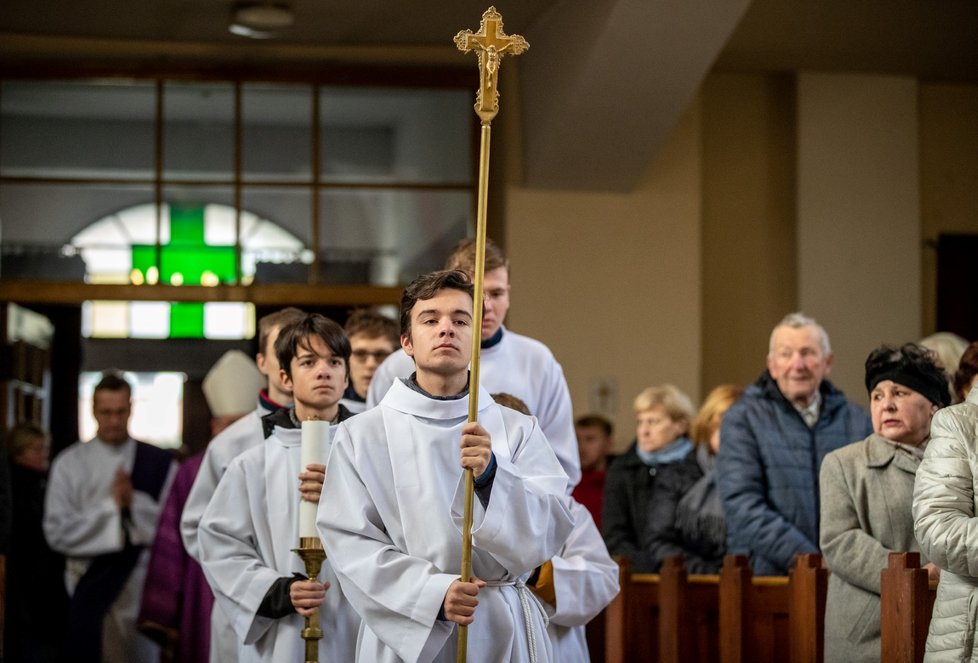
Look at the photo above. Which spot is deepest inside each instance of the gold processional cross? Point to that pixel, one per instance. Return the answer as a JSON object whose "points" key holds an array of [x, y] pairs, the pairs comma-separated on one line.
{"points": [[491, 43]]}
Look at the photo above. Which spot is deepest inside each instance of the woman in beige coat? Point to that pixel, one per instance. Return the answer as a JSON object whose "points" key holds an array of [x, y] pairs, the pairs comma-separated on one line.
{"points": [[866, 492], [945, 510]]}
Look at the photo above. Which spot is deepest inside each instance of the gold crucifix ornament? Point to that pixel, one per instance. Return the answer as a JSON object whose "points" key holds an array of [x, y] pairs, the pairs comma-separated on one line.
{"points": [[491, 43]]}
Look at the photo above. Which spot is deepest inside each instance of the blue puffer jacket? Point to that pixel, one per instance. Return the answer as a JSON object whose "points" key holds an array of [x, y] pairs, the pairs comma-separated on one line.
{"points": [[767, 471]]}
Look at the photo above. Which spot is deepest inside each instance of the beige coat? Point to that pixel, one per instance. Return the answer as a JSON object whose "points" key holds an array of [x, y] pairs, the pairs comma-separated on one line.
{"points": [[944, 513], [866, 492]]}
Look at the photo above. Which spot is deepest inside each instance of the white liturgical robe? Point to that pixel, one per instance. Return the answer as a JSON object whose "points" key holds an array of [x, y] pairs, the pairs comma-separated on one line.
{"points": [[520, 366], [246, 539], [243, 434], [391, 517], [82, 520], [585, 582]]}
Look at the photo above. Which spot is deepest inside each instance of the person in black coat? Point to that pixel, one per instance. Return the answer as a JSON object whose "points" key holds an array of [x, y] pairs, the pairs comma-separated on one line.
{"points": [[686, 517], [663, 416], [37, 604]]}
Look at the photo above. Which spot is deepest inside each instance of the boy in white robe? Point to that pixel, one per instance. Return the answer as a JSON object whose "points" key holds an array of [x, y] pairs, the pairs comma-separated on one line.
{"points": [[250, 527], [227, 445], [509, 362], [578, 583], [391, 512]]}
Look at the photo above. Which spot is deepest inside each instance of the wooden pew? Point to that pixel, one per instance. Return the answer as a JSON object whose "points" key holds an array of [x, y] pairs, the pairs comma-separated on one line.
{"points": [[632, 618], [808, 583], [753, 614], [735, 617], [689, 613], [907, 599]]}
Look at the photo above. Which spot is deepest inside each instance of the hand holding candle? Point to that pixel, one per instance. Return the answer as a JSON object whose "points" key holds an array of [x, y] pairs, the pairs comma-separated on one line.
{"points": [[315, 446]]}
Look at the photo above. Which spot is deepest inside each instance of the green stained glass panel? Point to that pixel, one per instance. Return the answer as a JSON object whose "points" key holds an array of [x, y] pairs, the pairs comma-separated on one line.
{"points": [[186, 320]]}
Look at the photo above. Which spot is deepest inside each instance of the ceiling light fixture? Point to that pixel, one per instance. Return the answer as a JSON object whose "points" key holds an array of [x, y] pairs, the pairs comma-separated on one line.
{"points": [[260, 19]]}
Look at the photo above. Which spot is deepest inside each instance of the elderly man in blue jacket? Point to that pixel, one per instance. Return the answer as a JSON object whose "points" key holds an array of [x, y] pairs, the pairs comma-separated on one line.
{"points": [[772, 442]]}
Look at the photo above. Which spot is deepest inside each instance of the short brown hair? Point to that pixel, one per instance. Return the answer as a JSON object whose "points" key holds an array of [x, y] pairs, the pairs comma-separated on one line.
{"points": [[112, 380], [22, 436], [371, 324], [277, 319], [511, 401], [967, 370], [425, 287], [595, 421], [296, 334], [463, 257]]}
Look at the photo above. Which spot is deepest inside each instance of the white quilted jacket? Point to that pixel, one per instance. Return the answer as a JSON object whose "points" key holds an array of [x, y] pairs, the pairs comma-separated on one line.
{"points": [[945, 505]]}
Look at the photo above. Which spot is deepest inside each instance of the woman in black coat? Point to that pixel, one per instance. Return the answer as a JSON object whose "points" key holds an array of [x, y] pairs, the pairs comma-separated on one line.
{"points": [[663, 416], [686, 516]]}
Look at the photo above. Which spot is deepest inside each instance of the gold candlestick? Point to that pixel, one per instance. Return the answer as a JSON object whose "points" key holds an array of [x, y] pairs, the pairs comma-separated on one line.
{"points": [[311, 552]]}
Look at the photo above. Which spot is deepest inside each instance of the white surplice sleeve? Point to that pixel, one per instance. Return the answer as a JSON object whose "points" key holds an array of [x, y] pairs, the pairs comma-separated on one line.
{"points": [[585, 576], [76, 524], [397, 595], [229, 553], [225, 447], [556, 417], [525, 522]]}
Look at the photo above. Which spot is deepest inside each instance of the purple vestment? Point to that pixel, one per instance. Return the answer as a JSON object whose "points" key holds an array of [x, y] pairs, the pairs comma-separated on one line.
{"points": [[176, 597]]}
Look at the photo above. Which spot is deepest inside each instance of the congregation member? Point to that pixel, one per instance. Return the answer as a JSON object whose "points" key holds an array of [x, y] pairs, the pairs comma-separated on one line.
{"points": [[103, 500], [400, 468], [773, 442], [947, 349], [594, 443], [240, 436], [576, 584], [966, 376], [509, 362], [250, 527], [866, 495], [177, 601], [36, 601], [373, 337], [946, 528], [686, 517], [663, 415]]}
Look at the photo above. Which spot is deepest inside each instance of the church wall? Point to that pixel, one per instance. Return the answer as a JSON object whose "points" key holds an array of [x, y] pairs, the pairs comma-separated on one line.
{"points": [[611, 282], [859, 237], [748, 249], [948, 176]]}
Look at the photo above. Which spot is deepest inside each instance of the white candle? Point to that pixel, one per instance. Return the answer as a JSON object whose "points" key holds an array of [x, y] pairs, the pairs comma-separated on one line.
{"points": [[315, 445]]}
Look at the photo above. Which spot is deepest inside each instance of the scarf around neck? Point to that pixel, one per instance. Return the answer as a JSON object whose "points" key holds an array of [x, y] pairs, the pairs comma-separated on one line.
{"points": [[674, 452]]}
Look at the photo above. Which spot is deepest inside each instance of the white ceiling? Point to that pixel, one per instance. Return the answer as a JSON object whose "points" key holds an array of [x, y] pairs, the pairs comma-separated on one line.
{"points": [[604, 81]]}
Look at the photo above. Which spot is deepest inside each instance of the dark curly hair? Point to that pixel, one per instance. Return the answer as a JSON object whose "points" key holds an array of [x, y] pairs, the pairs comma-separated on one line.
{"points": [[426, 287], [912, 366]]}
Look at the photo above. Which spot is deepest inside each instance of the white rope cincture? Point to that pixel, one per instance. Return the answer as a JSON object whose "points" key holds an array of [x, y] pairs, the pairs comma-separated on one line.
{"points": [[526, 595]]}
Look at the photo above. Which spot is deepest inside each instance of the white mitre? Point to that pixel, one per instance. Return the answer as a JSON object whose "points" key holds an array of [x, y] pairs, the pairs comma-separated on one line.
{"points": [[231, 386]]}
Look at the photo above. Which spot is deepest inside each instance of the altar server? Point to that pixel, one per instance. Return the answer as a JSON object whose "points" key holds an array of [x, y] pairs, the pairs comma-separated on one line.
{"points": [[250, 527], [391, 511], [240, 436], [509, 362]]}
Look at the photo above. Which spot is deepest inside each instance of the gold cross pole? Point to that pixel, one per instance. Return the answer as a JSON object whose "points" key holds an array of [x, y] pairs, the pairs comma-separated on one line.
{"points": [[491, 43]]}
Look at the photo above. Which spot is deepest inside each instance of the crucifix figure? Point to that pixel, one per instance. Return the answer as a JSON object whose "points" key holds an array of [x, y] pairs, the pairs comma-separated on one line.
{"points": [[491, 43]]}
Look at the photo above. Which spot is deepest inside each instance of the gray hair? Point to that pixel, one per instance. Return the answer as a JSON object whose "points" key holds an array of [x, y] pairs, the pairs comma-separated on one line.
{"points": [[796, 321]]}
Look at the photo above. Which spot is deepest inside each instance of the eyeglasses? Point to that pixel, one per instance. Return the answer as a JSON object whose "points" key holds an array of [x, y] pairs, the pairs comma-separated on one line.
{"points": [[363, 355]]}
